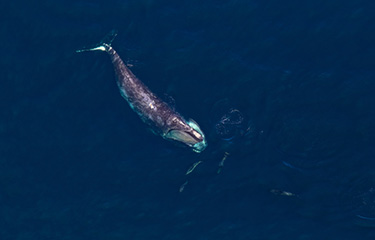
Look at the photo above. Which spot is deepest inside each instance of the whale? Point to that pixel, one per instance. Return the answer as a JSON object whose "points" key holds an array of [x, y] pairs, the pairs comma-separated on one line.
{"points": [[152, 110]]}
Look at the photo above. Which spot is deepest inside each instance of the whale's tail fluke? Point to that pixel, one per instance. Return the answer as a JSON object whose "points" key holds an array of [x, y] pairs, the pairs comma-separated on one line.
{"points": [[104, 45]]}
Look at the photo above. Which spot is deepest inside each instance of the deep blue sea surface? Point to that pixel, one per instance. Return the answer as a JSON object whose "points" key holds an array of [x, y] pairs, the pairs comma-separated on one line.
{"points": [[284, 91]]}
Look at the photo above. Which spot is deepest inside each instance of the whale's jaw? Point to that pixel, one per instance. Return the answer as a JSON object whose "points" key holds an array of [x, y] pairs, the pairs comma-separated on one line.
{"points": [[191, 135]]}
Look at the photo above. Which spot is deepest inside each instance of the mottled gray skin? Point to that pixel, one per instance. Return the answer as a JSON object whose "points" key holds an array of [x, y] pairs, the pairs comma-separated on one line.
{"points": [[151, 109]]}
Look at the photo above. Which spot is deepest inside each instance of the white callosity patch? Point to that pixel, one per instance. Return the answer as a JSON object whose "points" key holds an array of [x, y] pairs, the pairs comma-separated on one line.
{"points": [[200, 146]]}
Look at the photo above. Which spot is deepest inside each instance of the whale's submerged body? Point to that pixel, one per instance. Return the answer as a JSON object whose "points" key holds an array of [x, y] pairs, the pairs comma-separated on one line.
{"points": [[151, 109]]}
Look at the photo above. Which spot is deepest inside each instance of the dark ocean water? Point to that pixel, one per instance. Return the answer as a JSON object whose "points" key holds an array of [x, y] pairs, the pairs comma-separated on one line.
{"points": [[284, 90]]}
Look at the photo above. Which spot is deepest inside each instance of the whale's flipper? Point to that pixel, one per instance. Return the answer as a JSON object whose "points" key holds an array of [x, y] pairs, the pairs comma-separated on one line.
{"points": [[104, 45]]}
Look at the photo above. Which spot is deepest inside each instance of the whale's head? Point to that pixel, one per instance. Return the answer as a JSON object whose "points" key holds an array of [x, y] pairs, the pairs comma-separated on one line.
{"points": [[188, 133]]}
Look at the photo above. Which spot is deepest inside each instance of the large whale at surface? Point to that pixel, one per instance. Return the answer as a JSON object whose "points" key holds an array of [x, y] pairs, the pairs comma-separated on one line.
{"points": [[152, 110]]}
